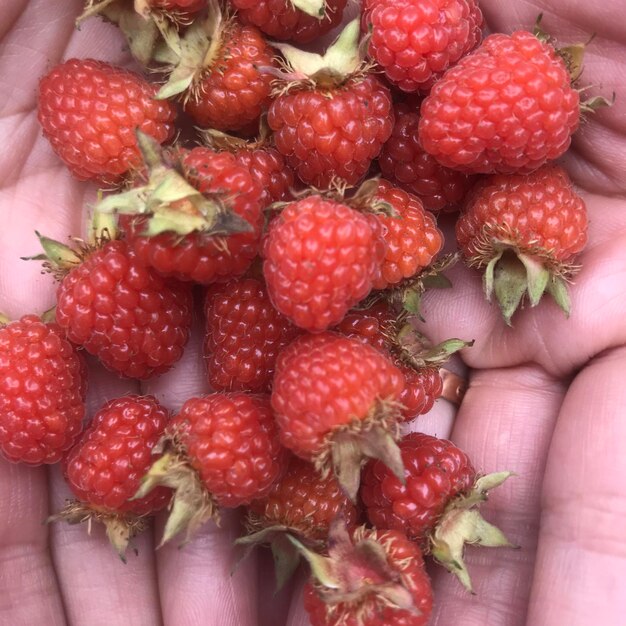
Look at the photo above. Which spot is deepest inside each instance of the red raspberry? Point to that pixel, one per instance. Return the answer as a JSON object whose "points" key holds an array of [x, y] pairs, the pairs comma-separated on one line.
{"points": [[415, 41], [105, 467], [195, 256], [331, 393], [134, 321], [245, 333], [89, 111], [302, 502], [435, 471], [326, 133], [349, 592], [404, 162], [233, 90], [412, 239], [537, 218], [42, 389], [321, 258], [281, 19], [231, 440], [377, 327], [506, 107]]}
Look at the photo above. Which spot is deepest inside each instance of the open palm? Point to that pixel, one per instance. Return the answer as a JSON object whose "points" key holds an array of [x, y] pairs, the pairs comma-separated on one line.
{"points": [[546, 398]]}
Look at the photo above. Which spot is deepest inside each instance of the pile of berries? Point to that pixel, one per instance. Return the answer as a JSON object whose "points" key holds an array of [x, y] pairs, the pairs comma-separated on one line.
{"points": [[305, 215]]}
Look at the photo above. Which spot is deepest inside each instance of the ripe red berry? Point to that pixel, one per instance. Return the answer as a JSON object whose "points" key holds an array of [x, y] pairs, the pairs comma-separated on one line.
{"points": [[507, 107], [89, 111], [244, 335], [435, 470], [332, 133], [375, 577], [125, 314], [197, 256], [42, 389], [377, 327], [412, 239], [334, 399], [303, 503], [415, 42], [405, 163], [282, 19], [105, 467], [321, 258], [222, 450], [233, 90], [532, 224]]}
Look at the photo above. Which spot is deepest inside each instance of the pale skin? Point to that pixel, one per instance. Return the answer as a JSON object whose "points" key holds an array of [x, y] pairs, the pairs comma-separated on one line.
{"points": [[547, 398]]}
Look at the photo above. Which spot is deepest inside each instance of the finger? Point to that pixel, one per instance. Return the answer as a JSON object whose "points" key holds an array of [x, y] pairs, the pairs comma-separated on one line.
{"points": [[195, 581], [297, 614], [91, 586], [505, 423], [29, 593], [581, 561], [273, 606]]}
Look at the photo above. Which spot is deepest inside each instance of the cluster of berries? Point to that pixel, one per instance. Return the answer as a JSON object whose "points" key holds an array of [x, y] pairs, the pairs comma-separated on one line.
{"points": [[311, 276]]}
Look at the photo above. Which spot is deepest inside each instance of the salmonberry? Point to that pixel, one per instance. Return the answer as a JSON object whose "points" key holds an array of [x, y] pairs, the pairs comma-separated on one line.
{"points": [[42, 392], [244, 335], [320, 258], [222, 450], [334, 123], [133, 320], [89, 111], [285, 19], [405, 163], [415, 41], [524, 231], [335, 400], [105, 467], [507, 107]]}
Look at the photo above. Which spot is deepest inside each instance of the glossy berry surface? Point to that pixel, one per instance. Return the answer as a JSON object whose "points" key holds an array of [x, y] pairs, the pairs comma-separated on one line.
{"points": [[42, 389], [320, 258], [122, 312], [539, 213], [331, 133], [507, 107], [304, 502], [405, 163], [435, 471], [412, 239], [104, 469], [267, 166], [231, 440], [244, 335], [233, 91], [197, 257], [415, 41], [280, 19], [89, 111], [377, 327], [324, 382], [404, 564]]}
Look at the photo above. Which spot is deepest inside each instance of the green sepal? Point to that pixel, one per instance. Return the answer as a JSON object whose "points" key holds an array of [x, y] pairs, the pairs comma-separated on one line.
{"points": [[341, 59], [463, 524], [56, 254], [4, 319], [49, 316], [557, 288], [314, 8]]}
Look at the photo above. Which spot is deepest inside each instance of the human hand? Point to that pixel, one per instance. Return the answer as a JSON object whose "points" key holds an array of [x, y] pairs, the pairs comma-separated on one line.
{"points": [[545, 397]]}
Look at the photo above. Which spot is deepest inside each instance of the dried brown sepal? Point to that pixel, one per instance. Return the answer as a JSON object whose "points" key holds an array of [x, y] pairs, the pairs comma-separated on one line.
{"points": [[356, 567], [120, 527], [463, 524]]}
